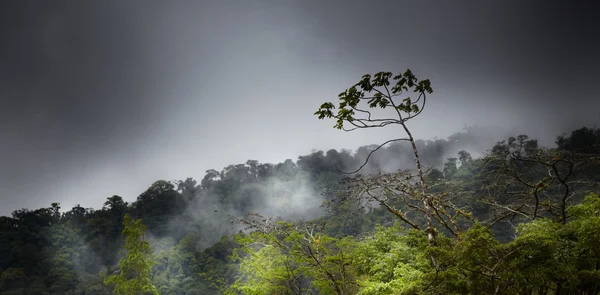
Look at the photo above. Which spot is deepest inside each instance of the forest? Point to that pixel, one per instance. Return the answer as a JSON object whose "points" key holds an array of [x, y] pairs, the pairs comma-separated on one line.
{"points": [[461, 215]]}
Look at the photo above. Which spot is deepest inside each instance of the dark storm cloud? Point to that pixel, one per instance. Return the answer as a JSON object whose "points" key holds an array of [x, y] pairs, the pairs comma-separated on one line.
{"points": [[532, 59], [78, 82], [102, 98], [91, 93]]}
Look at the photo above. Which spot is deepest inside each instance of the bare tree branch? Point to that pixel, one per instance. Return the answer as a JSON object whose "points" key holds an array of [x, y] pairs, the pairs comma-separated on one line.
{"points": [[371, 153]]}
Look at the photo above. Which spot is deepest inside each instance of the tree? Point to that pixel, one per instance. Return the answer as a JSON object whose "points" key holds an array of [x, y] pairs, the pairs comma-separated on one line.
{"points": [[450, 167], [136, 267], [280, 258], [401, 187], [189, 188], [159, 203], [529, 181], [115, 203], [464, 157], [583, 140]]}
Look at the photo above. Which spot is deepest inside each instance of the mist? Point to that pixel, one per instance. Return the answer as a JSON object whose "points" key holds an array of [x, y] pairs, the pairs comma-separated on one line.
{"points": [[294, 190], [190, 115], [111, 96]]}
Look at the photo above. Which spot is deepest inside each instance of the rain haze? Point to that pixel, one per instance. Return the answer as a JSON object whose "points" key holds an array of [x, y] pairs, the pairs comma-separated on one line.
{"points": [[103, 98]]}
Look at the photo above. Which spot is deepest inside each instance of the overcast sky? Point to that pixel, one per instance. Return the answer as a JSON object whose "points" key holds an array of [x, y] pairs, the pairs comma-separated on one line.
{"points": [[104, 97]]}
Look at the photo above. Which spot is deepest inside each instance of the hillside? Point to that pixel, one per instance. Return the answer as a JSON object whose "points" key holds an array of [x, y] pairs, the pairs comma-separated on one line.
{"points": [[53, 251]]}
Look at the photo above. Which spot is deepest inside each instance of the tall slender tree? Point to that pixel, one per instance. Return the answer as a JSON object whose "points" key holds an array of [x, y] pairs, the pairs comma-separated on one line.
{"points": [[136, 268]]}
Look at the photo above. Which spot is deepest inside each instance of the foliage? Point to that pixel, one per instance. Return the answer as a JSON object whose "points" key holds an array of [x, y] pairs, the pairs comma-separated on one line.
{"points": [[136, 267], [547, 257], [291, 261], [423, 217]]}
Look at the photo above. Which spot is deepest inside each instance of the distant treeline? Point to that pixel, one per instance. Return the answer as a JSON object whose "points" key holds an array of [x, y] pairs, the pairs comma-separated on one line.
{"points": [[51, 251]]}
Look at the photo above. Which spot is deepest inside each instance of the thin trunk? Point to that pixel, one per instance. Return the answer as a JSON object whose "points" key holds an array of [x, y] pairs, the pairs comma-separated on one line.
{"points": [[426, 205]]}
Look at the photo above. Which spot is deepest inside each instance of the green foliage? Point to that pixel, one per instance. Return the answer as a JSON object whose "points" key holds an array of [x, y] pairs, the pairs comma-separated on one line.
{"points": [[290, 260], [136, 267], [12, 278], [359, 249], [265, 271], [546, 257], [391, 261], [450, 168], [382, 97]]}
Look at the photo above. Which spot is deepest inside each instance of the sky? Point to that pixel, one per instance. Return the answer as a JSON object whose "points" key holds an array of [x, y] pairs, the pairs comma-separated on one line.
{"points": [[102, 98]]}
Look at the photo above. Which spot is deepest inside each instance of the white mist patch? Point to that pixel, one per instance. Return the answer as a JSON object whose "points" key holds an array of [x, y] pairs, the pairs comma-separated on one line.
{"points": [[291, 199], [209, 214], [159, 245]]}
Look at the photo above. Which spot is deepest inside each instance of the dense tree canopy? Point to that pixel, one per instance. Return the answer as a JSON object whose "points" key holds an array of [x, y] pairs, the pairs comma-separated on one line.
{"points": [[461, 215]]}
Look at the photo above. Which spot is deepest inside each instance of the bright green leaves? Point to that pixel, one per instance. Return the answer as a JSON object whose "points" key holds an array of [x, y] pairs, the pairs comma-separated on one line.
{"points": [[590, 208], [263, 272], [585, 224], [545, 256], [382, 97], [136, 267], [389, 262], [299, 260]]}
